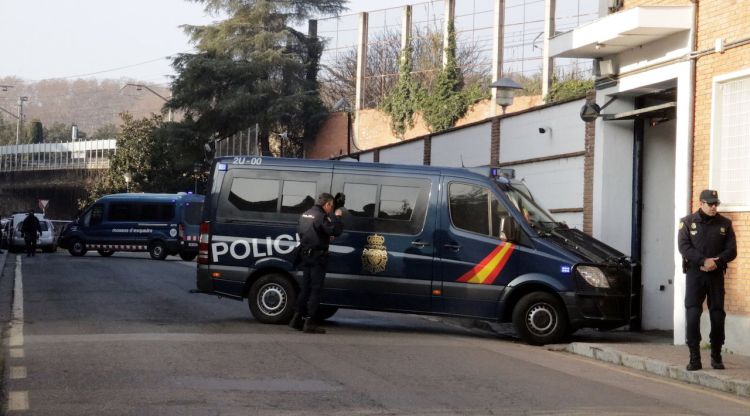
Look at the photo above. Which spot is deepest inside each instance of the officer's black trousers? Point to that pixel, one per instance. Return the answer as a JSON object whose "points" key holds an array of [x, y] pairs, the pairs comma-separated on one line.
{"points": [[30, 246], [313, 275], [699, 287]]}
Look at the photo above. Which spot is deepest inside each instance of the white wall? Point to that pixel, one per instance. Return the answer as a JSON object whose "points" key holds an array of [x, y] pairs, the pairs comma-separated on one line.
{"points": [[565, 133], [367, 157], [409, 153], [470, 145], [573, 219], [556, 184]]}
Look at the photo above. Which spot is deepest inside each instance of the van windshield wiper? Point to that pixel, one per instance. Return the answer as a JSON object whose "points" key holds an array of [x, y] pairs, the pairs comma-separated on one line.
{"points": [[548, 227]]}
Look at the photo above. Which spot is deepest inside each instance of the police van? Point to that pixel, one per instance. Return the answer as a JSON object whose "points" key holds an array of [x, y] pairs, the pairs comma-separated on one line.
{"points": [[162, 224], [460, 242]]}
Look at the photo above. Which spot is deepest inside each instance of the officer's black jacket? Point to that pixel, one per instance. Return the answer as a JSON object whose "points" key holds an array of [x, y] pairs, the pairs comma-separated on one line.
{"points": [[30, 225], [699, 239], [315, 228]]}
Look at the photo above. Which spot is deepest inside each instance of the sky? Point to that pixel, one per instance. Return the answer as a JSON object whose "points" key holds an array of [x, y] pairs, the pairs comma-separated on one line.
{"points": [[105, 39]]}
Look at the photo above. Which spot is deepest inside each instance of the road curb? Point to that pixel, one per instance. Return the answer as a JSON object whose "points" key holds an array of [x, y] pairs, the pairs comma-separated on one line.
{"points": [[703, 378]]}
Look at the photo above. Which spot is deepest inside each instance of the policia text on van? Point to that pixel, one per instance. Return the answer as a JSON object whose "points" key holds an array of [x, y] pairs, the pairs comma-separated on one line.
{"points": [[417, 239]]}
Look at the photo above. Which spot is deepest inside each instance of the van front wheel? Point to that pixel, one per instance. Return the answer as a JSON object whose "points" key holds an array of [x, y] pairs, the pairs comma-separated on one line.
{"points": [[157, 250], [539, 318], [272, 299]]}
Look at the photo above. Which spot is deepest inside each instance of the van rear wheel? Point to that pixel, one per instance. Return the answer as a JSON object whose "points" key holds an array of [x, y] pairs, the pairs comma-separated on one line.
{"points": [[77, 248], [105, 253], [272, 299], [188, 256], [157, 250], [539, 318]]}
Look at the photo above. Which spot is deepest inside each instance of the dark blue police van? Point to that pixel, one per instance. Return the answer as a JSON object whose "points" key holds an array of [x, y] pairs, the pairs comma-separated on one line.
{"points": [[417, 239], [162, 224]]}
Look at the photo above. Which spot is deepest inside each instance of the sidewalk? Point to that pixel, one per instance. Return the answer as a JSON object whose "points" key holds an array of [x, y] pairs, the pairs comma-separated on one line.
{"points": [[653, 352]]}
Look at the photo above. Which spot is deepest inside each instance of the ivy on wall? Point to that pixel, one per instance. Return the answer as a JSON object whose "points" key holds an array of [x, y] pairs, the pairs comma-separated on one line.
{"points": [[442, 106], [571, 88], [403, 101]]}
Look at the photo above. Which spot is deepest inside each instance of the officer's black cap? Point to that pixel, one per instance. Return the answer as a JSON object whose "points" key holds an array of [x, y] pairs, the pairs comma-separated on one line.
{"points": [[710, 196]]}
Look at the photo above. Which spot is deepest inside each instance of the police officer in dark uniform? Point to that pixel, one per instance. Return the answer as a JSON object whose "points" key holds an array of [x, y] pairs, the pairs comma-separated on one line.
{"points": [[316, 229], [707, 243], [31, 230]]}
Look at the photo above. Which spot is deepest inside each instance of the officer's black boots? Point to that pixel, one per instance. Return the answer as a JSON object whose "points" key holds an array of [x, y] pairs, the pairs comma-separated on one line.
{"points": [[716, 361], [296, 321], [311, 328], [695, 358]]}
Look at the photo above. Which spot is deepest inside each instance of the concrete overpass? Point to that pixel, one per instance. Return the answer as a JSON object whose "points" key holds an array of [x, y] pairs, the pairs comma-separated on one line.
{"points": [[58, 172]]}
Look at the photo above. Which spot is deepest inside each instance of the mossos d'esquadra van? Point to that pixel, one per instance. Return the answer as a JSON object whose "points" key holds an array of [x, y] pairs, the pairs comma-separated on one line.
{"points": [[161, 224], [461, 242]]}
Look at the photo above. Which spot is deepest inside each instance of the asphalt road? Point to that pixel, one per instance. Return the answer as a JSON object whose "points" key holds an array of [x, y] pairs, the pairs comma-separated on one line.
{"points": [[123, 336]]}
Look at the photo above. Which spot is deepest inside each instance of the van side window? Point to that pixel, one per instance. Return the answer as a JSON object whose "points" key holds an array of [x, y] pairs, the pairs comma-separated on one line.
{"points": [[397, 202], [474, 208], [269, 195], [94, 216], [360, 199], [121, 211], [297, 197], [259, 195], [156, 212], [383, 204]]}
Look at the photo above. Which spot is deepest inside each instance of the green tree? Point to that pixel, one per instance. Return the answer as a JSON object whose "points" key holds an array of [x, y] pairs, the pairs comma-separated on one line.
{"points": [[402, 102], [253, 67], [446, 101], [37, 131], [158, 156]]}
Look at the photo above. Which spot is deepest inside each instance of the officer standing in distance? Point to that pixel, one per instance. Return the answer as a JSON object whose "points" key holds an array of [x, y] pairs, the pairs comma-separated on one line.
{"points": [[31, 230], [316, 229], [707, 243]]}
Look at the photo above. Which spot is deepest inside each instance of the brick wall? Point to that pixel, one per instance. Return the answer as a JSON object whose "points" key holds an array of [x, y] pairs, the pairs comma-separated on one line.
{"points": [[330, 140], [730, 20], [588, 170]]}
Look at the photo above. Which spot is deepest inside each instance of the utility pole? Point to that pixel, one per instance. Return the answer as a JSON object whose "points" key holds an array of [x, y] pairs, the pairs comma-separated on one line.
{"points": [[18, 123]]}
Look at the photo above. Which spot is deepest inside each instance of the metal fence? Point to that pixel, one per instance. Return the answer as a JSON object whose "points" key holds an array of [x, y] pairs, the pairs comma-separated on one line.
{"points": [[89, 154], [243, 143], [474, 22]]}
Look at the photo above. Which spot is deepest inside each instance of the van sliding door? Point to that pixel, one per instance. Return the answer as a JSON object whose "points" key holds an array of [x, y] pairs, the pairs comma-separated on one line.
{"points": [[383, 260]]}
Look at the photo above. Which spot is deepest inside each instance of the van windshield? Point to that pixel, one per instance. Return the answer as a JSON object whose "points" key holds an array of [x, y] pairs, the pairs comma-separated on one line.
{"points": [[537, 216]]}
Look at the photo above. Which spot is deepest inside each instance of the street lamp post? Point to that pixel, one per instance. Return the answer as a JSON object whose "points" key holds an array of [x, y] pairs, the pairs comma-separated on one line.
{"points": [[506, 89], [140, 87], [128, 177], [21, 100]]}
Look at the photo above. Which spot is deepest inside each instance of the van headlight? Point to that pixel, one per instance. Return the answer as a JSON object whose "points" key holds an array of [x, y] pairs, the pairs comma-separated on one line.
{"points": [[593, 276]]}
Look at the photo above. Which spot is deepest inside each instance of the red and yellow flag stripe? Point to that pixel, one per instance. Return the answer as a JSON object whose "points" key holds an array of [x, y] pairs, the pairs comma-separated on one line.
{"points": [[490, 267]]}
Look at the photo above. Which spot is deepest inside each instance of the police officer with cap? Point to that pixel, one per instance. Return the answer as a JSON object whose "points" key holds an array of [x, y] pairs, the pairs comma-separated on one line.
{"points": [[316, 228], [707, 243]]}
